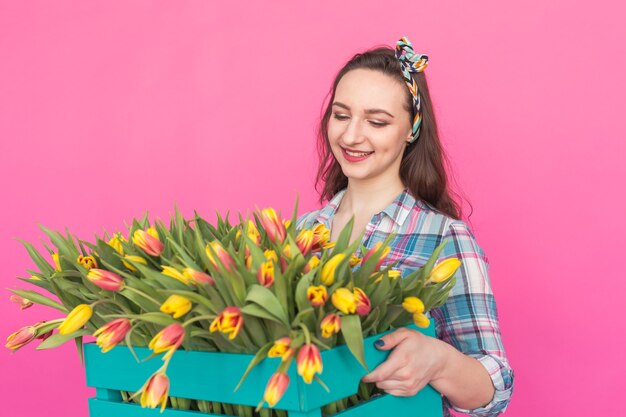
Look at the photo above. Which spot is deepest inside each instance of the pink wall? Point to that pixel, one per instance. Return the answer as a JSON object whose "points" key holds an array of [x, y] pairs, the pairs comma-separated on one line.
{"points": [[106, 111]]}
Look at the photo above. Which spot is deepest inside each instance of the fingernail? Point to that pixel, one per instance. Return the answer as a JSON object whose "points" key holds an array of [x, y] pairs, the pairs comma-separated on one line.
{"points": [[379, 343]]}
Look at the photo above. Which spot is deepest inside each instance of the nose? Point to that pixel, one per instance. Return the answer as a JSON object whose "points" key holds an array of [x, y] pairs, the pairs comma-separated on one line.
{"points": [[353, 133]]}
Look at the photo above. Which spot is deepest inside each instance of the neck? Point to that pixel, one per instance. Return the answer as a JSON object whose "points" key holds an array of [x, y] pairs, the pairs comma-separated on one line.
{"points": [[366, 198]]}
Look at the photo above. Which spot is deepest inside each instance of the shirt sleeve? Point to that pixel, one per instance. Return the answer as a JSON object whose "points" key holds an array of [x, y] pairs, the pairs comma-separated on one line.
{"points": [[469, 320]]}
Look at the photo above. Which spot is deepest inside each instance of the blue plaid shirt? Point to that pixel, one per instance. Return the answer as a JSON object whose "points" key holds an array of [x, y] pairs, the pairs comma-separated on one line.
{"points": [[468, 320]]}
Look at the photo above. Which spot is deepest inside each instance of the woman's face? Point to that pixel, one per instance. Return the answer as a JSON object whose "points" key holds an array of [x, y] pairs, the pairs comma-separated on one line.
{"points": [[369, 125]]}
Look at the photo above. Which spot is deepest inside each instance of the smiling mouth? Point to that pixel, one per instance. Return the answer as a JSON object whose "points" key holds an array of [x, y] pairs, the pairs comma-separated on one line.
{"points": [[356, 154], [353, 157]]}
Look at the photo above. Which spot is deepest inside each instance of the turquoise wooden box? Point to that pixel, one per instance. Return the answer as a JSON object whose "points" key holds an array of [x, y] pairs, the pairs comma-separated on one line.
{"points": [[213, 376]]}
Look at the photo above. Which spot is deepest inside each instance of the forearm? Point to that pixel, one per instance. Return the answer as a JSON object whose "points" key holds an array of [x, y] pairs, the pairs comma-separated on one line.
{"points": [[463, 380]]}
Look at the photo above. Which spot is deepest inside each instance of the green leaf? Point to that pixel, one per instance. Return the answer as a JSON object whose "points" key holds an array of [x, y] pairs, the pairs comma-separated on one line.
{"points": [[161, 319], [256, 310], [351, 330], [260, 355], [79, 347], [39, 260], [35, 297], [267, 300], [58, 339]]}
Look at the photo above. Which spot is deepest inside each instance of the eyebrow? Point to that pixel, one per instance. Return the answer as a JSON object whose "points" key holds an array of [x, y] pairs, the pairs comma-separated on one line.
{"points": [[367, 111]]}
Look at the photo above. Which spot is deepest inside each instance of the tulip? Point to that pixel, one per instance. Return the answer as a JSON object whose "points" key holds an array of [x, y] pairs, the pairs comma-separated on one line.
{"points": [[313, 262], [343, 299], [112, 333], [197, 277], [20, 338], [275, 388], [168, 339], [133, 258], [329, 268], [321, 236], [216, 248], [330, 325], [309, 362], [23, 302], [228, 322], [155, 391], [106, 280], [265, 275], [354, 260], [444, 270], [373, 250], [148, 241], [394, 274], [317, 295], [413, 305], [76, 319], [177, 305], [116, 243], [273, 225], [176, 274], [57, 265], [363, 304], [88, 262], [421, 320], [304, 240], [253, 233], [281, 348], [270, 255]]}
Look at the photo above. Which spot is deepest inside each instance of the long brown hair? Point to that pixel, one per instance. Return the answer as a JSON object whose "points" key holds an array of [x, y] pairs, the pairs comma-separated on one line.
{"points": [[423, 166]]}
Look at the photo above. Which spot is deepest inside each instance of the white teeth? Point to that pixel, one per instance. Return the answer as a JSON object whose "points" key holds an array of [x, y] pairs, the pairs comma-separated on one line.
{"points": [[357, 154]]}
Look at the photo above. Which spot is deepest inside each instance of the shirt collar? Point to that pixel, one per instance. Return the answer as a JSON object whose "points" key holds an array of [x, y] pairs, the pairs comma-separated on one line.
{"points": [[398, 210]]}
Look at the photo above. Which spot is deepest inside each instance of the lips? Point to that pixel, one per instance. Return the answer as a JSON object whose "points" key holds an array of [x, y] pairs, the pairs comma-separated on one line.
{"points": [[355, 156]]}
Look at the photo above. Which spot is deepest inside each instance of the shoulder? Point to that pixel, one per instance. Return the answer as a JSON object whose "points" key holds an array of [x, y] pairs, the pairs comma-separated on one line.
{"points": [[307, 219]]}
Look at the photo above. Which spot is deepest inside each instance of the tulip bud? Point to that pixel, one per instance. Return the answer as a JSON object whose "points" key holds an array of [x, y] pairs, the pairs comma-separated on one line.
{"points": [[270, 255], [321, 236], [20, 338], [76, 319], [275, 388], [273, 225], [329, 268], [313, 262], [317, 295], [253, 233], [413, 305], [88, 262], [116, 243], [363, 304], [112, 333], [309, 362], [177, 305], [281, 348], [168, 339], [330, 325], [23, 302], [228, 322], [216, 248], [175, 273], [155, 391], [373, 250], [394, 274], [444, 270], [304, 240], [421, 320], [57, 265], [148, 241], [197, 277], [106, 280], [265, 274], [354, 260], [343, 299], [133, 258]]}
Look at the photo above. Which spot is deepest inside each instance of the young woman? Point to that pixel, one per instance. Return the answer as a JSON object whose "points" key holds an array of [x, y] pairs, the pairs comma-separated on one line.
{"points": [[382, 163]]}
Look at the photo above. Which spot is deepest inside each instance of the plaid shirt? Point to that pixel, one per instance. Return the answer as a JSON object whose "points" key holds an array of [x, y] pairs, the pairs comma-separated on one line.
{"points": [[468, 320]]}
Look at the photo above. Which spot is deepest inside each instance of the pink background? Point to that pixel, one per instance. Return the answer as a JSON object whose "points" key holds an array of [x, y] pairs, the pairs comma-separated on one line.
{"points": [[110, 110]]}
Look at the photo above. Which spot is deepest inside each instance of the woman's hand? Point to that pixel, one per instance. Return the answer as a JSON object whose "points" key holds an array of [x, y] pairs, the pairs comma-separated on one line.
{"points": [[415, 361]]}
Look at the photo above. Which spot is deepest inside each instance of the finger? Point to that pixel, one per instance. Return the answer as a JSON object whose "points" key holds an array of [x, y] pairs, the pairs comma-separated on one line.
{"points": [[386, 370], [391, 340]]}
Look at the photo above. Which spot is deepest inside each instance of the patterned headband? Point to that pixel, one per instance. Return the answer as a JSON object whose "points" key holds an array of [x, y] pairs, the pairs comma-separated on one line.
{"points": [[412, 63]]}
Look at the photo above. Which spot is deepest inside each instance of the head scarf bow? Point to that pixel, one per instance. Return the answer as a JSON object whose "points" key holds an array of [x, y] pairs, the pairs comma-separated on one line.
{"points": [[412, 63]]}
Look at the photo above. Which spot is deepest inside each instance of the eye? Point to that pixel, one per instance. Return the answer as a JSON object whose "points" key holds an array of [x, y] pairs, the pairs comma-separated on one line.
{"points": [[377, 123], [340, 116]]}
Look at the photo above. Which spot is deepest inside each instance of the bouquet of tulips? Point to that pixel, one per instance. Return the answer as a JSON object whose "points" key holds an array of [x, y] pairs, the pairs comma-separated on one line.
{"points": [[258, 286]]}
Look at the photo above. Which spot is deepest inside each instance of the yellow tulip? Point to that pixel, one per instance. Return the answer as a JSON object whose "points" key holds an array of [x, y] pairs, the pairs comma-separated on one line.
{"points": [[133, 258], [281, 349], [270, 255], [88, 262], [421, 320], [329, 268], [304, 240], [228, 322], [175, 273], [313, 262], [176, 305], [76, 319], [343, 299], [444, 270], [413, 305], [265, 274], [317, 295], [330, 325], [57, 265]]}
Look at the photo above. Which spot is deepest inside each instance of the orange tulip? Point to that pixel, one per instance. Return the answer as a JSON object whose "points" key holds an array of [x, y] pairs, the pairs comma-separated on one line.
{"points": [[112, 333], [273, 225], [321, 236], [363, 304], [228, 322], [168, 339], [275, 388], [224, 257], [371, 252], [20, 338], [148, 241], [317, 295], [23, 302], [281, 348], [155, 391], [304, 240], [309, 362], [197, 277], [107, 280], [330, 325]]}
